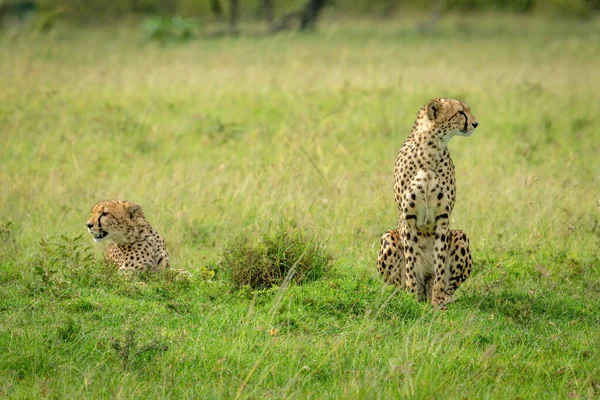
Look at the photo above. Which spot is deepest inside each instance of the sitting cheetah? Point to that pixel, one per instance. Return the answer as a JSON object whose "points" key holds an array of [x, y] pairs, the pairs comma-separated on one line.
{"points": [[137, 246], [423, 255]]}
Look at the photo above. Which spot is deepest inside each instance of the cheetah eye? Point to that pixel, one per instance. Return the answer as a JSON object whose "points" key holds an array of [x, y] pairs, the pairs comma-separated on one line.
{"points": [[102, 214], [462, 112]]}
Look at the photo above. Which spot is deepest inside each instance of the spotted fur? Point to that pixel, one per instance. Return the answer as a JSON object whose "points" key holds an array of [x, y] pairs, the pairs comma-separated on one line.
{"points": [[423, 255], [137, 246]]}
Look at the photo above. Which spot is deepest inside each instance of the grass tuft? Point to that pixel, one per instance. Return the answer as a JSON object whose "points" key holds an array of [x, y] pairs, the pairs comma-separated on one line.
{"points": [[263, 260]]}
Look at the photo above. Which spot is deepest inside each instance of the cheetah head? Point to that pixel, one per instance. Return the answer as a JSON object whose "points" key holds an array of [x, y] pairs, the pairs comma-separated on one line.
{"points": [[114, 219], [451, 117]]}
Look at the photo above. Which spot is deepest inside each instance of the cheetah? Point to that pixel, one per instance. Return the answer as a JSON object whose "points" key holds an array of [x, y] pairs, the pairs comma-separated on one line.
{"points": [[137, 246], [423, 255]]}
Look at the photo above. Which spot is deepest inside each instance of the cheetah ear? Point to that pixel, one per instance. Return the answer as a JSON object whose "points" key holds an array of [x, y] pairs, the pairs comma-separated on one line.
{"points": [[134, 210], [433, 109]]}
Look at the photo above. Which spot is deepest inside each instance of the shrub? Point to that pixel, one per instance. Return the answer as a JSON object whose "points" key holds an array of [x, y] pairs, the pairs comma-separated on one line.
{"points": [[581, 9], [163, 29], [264, 259]]}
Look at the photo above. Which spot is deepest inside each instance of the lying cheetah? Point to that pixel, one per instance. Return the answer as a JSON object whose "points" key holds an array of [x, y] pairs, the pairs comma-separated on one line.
{"points": [[137, 246], [423, 255]]}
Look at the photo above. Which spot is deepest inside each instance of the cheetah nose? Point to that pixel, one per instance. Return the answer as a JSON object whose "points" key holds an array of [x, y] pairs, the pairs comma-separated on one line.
{"points": [[475, 124], [89, 225]]}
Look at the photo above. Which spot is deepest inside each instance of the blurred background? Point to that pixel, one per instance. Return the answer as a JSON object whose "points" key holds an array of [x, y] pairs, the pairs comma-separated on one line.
{"points": [[222, 117], [182, 18]]}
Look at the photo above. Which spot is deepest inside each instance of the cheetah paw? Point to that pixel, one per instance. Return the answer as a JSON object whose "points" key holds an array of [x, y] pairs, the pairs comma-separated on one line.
{"points": [[441, 300]]}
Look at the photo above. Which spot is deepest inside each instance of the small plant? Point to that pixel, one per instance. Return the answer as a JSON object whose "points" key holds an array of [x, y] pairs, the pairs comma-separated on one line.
{"points": [[163, 29], [65, 254], [62, 260], [6, 234], [44, 272], [265, 259], [128, 351], [70, 253], [124, 348], [50, 257]]}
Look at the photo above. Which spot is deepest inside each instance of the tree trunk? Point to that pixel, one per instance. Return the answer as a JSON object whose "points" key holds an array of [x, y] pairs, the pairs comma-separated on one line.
{"points": [[389, 8], [234, 15], [215, 6], [311, 13], [267, 6], [434, 17]]}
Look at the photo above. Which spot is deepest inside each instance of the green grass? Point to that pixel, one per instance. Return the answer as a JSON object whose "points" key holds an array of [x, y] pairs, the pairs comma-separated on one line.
{"points": [[223, 136]]}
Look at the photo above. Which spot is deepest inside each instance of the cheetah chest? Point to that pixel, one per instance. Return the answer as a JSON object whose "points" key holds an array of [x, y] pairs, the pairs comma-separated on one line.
{"points": [[424, 192], [139, 254]]}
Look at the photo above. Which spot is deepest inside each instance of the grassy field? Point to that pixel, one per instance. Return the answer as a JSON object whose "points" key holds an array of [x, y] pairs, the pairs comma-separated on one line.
{"points": [[222, 136]]}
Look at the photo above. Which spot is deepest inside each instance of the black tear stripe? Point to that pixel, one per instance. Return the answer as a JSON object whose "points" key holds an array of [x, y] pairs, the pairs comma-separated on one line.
{"points": [[442, 216], [102, 214], [466, 121]]}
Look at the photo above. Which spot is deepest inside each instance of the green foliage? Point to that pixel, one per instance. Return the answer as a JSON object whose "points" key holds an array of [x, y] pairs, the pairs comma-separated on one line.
{"points": [[474, 5], [46, 20], [164, 29], [582, 9], [274, 255], [104, 11], [99, 10]]}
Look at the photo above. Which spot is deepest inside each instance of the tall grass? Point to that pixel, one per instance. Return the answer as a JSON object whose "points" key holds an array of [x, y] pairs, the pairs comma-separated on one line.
{"points": [[215, 137]]}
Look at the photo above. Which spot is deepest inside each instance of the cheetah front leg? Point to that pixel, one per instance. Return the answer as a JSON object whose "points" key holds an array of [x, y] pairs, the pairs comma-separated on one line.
{"points": [[409, 234], [411, 252], [439, 296], [161, 261]]}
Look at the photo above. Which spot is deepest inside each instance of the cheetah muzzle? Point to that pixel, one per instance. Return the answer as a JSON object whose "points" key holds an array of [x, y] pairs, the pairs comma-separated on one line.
{"points": [[100, 236]]}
